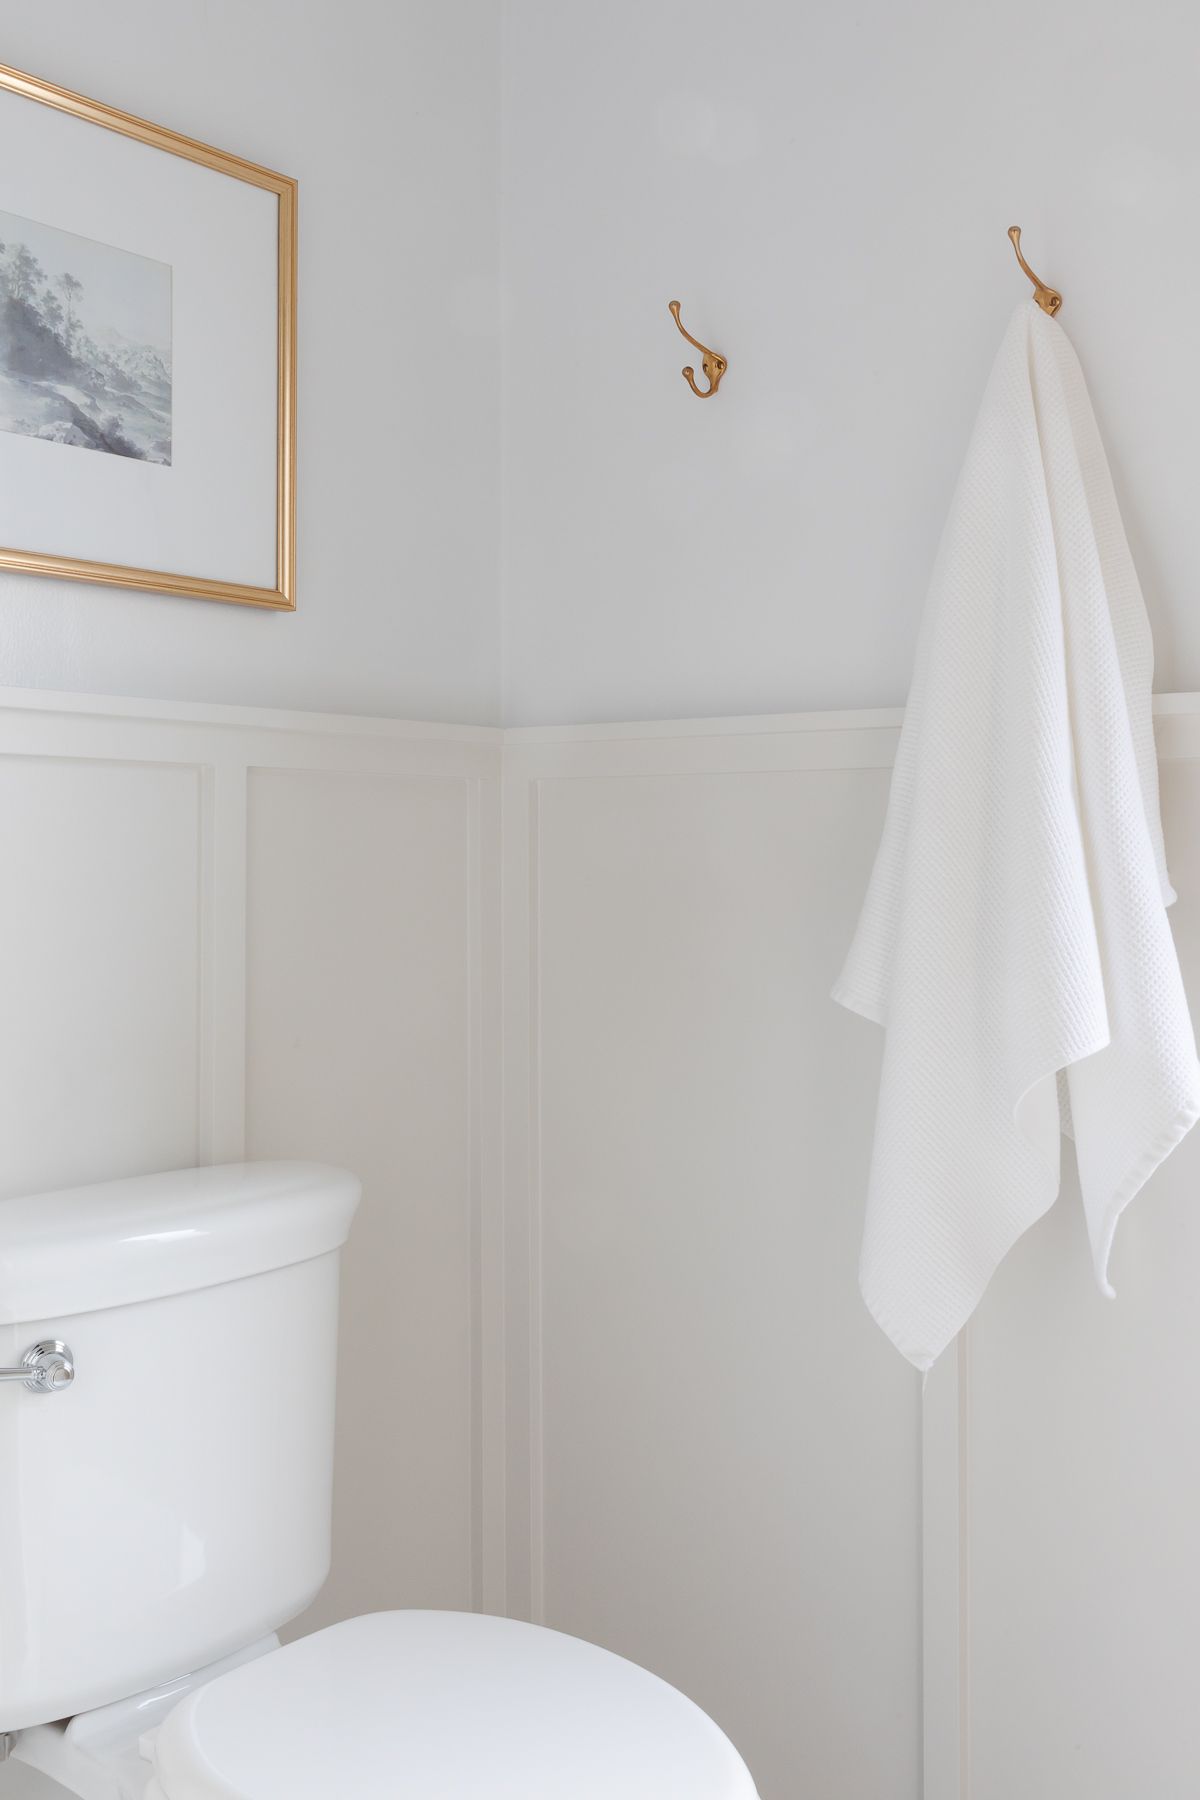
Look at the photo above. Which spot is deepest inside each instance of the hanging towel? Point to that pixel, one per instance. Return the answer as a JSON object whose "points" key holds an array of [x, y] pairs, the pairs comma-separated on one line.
{"points": [[1014, 941]]}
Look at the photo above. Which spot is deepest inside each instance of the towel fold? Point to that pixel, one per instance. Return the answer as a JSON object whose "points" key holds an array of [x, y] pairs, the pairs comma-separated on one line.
{"points": [[1014, 941]]}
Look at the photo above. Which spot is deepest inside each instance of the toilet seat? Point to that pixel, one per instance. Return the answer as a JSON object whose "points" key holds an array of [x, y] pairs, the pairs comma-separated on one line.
{"points": [[442, 1706]]}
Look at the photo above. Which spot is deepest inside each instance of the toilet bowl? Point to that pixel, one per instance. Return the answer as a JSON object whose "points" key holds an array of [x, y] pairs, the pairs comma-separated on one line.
{"points": [[166, 1416]]}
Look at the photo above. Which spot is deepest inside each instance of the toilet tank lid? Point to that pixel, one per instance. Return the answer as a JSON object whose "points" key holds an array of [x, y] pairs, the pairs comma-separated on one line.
{"points": [[87, 1248]]}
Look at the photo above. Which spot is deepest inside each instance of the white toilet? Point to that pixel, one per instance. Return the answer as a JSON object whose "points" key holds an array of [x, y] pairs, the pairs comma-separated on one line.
{"points": [[166, 1416]]}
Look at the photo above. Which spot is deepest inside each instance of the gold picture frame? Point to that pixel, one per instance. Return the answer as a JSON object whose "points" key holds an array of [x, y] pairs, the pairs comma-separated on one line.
{"points": [[282, 596]]}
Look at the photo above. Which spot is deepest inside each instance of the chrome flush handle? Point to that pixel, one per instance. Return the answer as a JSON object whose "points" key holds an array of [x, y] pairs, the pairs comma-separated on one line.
{"points": [[45, 1368]]}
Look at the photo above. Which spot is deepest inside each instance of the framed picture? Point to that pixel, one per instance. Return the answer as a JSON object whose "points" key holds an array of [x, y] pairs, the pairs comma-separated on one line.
{"points": [[147, 355]]}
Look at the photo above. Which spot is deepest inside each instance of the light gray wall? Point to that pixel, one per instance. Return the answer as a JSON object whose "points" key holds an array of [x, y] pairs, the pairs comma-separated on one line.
{"points": [[388, 117], [827, 193], [827, 190]]}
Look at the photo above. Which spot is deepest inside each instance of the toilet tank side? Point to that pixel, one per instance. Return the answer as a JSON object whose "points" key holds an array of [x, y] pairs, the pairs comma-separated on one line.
{"points": [[173, 1502]]}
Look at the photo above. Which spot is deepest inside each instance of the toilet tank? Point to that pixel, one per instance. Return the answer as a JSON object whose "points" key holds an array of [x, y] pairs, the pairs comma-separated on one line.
{"points": [[172, 1503]]}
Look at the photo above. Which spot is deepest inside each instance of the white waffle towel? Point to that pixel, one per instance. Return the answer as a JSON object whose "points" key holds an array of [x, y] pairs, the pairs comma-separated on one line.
{"points": [[1014, 941]]}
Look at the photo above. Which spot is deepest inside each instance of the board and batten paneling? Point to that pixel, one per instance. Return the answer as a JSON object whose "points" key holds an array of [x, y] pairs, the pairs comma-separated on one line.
{"points": [[717, 1465], [607, 1365], [233, 932], [725, 1451]]}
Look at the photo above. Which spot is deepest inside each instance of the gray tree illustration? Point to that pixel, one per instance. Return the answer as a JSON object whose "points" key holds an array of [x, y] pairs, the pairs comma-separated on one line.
{"points": [[26, 273], [71, 289], [52, 312], [57, 382]]}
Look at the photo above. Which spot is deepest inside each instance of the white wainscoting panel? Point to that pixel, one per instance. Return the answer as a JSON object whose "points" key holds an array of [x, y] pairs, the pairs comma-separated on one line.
{"points": [[100, 919], [723, 1450], [231, 932], [359, 1053], [717, 1465], [561, 998]]}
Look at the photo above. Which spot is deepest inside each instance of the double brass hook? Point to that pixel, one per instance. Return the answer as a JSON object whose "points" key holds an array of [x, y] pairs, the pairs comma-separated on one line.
{"points": [[714, 366], [1048, 298]]}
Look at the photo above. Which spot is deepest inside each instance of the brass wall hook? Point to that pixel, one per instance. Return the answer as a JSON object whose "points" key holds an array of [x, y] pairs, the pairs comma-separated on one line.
{"points": [[714, 366], [1048, 298]]}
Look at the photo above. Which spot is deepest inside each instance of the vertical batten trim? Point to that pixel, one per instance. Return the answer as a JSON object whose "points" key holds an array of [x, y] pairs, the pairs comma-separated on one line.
{"points": [[474, 1414], [231, 864], [515, 1272], [477, 1098], [944, 1709], [221, 1109], [537, 1409], [492, 1408], [204, 1103], [963, 1422]]}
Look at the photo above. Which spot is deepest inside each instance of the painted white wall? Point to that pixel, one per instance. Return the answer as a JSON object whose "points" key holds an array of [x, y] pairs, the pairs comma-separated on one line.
{"points": [[826, 193], [387, 115], [827, 190]]}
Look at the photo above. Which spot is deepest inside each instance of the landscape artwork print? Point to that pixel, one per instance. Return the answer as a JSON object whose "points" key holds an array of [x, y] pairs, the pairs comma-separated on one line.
{"points": [[85, 342]]}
